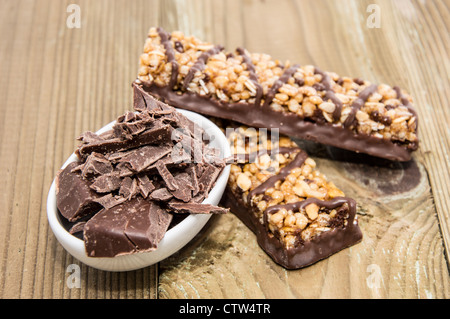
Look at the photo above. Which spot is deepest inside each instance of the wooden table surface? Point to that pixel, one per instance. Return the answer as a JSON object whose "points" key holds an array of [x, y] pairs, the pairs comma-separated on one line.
{"points": [[57, 82]]}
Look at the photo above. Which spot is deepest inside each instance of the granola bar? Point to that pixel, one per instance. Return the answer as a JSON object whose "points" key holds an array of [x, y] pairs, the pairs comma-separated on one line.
{"points": [[298, 216], [257, 90]]}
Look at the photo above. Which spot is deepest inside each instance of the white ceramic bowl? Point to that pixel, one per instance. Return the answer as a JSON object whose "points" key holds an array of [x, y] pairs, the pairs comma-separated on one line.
{"points": [[174, 239]]}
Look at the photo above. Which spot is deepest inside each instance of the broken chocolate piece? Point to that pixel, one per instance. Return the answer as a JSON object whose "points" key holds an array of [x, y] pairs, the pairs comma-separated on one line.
{"points": [[167, 177], [135, 225], [196, 208], [128, 188], [106, 183], [147, 227], [208, 177], [104, 234], [142, 157], [109, 200], [74, 197], [160, 133], [161, 194], [77, 227], [95, 164], [145, 185]]}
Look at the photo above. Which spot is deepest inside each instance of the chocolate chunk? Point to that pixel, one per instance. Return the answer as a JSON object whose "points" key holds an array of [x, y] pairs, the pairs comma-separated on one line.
{"points": [[194, 180], [145, 185], [147, 226], [106, 183], [74, 197], [177, 189], [135, 225], [128, 188], [95, 164], [128, 130], [167, 177], [77, 227], [123, 170], [160, 133], [208, 178], [193, 147], [141, 158], [143, 101], [196, 208], [104, 234], [161, 194], [109, 200], [90, 137]]}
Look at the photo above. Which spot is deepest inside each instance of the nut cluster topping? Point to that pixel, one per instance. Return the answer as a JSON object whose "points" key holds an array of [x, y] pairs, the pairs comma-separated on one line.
{"points": [[386, 114]]}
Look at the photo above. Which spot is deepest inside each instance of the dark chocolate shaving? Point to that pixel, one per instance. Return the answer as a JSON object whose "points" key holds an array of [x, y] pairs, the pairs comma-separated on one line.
{"points": [[195, 208], [161, 195], [145, 185], [141, 158], [159, 134], [74, 196], [77, 228], [106, 183]]}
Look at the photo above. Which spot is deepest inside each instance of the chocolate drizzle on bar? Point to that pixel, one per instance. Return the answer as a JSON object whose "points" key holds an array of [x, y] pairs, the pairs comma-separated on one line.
{"points": [[288, 73], [327, 82], [270, 182], [253, 76], [199, 65], [358, 103], [298, 206], [406, 103], [170, 54]]}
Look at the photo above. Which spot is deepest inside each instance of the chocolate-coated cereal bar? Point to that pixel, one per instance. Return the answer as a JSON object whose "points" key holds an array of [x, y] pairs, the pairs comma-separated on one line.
{"points": [[298, 216], [256, 90]]}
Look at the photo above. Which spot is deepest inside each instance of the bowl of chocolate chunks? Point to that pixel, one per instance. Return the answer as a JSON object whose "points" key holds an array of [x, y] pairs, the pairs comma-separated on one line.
{"points": [[139, 189]]}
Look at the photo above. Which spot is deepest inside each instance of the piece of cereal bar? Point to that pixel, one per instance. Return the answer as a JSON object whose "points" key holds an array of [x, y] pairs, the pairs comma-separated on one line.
{"points": [[298, 216]]}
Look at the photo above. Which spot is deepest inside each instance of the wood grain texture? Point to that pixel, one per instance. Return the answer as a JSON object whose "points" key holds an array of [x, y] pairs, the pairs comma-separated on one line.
{"points": [[57, 82]]}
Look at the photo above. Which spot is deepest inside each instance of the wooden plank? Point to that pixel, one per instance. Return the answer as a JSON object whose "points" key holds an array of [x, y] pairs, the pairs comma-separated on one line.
{"points": [[58, 82]]}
